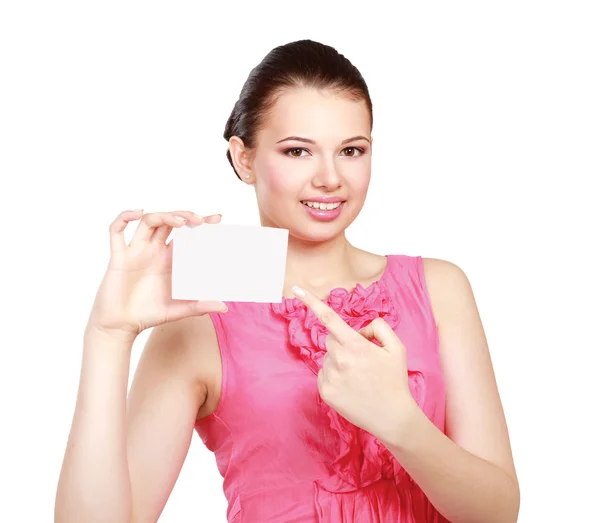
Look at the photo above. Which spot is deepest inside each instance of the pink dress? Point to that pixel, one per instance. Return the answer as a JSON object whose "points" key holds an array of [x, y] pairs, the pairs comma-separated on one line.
{"points": [[284, 454]]}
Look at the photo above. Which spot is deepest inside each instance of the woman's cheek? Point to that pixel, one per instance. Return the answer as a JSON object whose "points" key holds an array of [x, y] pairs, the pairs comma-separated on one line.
{"points": [[279, 178], [361, 179]]}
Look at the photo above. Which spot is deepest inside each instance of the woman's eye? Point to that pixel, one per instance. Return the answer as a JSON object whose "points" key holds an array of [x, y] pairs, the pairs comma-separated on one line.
{"points": [[353, 149], [295, 149]]}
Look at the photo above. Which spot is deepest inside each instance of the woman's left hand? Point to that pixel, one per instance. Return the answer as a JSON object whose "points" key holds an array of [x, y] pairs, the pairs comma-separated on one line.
{"points": [[365, 383]]}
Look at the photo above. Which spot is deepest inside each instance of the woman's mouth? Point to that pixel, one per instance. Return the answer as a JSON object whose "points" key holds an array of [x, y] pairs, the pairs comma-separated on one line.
{"points": [[323, 211]]}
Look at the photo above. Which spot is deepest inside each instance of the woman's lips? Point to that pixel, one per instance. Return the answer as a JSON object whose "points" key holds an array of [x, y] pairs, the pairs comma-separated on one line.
{"points": [[324, 215]]}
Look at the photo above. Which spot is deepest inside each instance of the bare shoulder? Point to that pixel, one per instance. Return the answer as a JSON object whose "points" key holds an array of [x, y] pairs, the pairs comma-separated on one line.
{"points": [[474, 413], [202, 337], [193, 342], [443, 278], [437, 270], [188, 335]]}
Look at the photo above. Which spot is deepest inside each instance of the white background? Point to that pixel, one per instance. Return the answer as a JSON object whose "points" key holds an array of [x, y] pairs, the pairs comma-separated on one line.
{"points": [[486, 154]]}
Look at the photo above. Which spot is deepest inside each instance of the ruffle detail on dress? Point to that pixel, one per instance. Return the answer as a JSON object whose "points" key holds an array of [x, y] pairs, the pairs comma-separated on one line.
{"points": [[360, 459]]}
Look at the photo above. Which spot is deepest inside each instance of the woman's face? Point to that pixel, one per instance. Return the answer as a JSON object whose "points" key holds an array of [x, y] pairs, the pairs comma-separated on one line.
{"points": [[289, 172]]}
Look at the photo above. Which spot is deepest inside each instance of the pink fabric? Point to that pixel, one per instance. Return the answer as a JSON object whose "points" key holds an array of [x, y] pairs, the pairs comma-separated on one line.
{"points": [[284, 454]]}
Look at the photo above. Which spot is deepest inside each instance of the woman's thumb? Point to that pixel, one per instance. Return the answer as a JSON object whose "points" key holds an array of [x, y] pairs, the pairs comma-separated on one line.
{"points": [[186, 308]]}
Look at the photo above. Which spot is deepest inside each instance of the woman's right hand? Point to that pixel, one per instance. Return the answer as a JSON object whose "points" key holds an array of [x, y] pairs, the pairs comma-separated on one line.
{"points": [[135, 293]]}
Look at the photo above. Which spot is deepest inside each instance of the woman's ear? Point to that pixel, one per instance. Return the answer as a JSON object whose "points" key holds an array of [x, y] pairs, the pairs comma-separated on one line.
{"points": [[241, 158]]}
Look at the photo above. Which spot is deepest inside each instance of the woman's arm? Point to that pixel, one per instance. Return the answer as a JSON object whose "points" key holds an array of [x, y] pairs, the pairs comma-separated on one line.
{"points": [[469, 474], [94, 481], [124, 454], [463, 487]]}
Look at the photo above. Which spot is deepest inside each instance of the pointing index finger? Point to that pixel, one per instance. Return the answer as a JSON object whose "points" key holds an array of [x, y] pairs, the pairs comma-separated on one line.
{"points": [[326, 315]]}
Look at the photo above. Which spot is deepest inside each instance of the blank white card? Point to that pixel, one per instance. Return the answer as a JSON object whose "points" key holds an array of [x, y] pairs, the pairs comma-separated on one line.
{"points": [[229, 262]]}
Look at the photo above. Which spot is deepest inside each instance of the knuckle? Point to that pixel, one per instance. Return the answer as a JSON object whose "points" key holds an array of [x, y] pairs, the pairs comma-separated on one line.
{"points": [[115, 225], [325, 317], [341, 363], [150, 218], [378, 323]]}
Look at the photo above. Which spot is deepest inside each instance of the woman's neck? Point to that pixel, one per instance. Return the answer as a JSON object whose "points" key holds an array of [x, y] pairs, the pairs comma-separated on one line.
{"points": [[320, 267]]}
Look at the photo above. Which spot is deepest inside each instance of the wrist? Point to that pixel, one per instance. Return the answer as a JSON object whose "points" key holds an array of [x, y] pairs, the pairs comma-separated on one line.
{"points": [[406, 414], [110, 336]]}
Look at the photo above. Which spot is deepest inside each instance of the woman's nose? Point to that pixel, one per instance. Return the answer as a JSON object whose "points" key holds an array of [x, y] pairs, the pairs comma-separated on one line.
{"points": [[327, 175]]}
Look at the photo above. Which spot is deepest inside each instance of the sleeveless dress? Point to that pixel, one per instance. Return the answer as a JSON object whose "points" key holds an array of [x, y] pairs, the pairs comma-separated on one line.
{"points": [[284, 454]]}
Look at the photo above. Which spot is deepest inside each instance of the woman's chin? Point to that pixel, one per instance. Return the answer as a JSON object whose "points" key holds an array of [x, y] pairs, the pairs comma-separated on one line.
{"points": [[317, 231]]}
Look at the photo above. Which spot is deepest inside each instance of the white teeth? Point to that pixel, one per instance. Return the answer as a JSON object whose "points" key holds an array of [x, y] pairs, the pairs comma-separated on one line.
{"points": [[323, 206]]}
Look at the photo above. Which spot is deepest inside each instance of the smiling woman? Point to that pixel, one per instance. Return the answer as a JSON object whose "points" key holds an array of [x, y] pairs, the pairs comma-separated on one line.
{"points": [[336, 405], [326, 163]]}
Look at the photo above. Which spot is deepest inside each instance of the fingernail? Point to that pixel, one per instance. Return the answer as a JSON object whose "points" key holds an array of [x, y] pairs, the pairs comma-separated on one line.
{"points": [[298, 291]]}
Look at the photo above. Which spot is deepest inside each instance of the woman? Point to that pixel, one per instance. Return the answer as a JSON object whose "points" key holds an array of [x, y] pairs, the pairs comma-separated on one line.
{"points": [[366, 395]]}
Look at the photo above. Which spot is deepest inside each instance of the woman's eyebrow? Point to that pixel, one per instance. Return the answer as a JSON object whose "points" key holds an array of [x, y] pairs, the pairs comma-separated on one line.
{"points": [[307, 140]]}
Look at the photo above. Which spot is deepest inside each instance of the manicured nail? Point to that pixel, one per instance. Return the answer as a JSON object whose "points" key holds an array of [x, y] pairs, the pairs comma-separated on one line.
{"points": [[298, 291]]}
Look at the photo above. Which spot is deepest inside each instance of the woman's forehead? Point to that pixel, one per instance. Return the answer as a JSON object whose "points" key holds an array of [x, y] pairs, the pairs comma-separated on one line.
{"points": [[312, 114]]}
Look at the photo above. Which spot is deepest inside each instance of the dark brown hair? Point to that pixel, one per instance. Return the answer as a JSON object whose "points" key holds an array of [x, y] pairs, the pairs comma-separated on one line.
{"points": [[303, 63]]}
